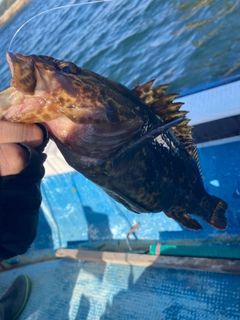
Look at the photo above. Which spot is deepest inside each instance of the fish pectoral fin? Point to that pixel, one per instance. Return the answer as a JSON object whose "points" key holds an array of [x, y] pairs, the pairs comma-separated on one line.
{"points": [[132, 146], [184, 219]]}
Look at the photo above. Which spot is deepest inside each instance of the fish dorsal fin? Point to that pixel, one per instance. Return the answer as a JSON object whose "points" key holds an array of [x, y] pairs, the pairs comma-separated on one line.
{"points": [[192, 150], [164, 107]]}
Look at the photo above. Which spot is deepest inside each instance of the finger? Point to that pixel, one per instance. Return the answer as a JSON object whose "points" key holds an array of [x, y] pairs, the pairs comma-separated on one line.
{"points": [[29, 134], [13, 159]]}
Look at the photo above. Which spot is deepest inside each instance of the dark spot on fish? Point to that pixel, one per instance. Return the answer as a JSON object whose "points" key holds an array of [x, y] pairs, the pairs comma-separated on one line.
{"points": [[61, 101], [77, 83], [97, 121], [84, 120], [87, 89], [71, 106], [111, 111], [103, 94]]}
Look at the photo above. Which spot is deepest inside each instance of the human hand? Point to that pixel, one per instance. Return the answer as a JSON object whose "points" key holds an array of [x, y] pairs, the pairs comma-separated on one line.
{"points": [[13, 158]]}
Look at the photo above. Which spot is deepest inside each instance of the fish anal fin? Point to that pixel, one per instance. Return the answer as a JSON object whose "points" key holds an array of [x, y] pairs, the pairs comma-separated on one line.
{"points": [[184, 219]]}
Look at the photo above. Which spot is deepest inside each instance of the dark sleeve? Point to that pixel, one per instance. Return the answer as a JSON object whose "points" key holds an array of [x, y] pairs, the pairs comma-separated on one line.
{"points": [[20, 199]]}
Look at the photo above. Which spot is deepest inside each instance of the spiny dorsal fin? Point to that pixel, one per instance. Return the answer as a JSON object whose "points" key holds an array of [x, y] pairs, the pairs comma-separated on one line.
{"points": [[164, 107]]}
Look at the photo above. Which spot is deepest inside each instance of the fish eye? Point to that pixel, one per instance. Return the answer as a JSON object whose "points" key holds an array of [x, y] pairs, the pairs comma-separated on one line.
{"points": [[67, 69]]}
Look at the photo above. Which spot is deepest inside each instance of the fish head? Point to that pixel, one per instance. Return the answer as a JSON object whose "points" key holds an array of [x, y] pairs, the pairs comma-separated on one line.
{"points": [[77, 106], [44, 88], [32, 73]]}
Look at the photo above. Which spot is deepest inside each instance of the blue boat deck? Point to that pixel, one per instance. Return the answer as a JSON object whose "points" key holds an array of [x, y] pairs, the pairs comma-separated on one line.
{"points": [[67, 289]]}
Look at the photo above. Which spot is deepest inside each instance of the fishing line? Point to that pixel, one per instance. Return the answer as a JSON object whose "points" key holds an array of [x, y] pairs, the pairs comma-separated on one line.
{"points": [[52, 9]]}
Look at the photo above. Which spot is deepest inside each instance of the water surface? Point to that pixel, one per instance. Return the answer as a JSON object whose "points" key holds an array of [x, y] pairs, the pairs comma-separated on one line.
{"points": [[186, 43]]}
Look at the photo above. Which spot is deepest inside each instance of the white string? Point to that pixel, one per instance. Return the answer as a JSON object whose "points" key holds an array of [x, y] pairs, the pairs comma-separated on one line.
{"points": [[52, 9]]}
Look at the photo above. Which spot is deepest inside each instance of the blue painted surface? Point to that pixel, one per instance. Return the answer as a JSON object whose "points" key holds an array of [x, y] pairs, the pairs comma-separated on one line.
{"points": [[65, 289], [209, 85], [78, 210]]}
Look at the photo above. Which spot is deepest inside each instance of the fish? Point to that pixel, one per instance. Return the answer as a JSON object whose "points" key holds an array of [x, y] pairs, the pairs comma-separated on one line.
{"points": [[136, 144]]}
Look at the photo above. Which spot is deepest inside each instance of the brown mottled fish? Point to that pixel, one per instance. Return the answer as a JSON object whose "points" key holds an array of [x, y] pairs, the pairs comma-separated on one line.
{"points": [[135, 144]]}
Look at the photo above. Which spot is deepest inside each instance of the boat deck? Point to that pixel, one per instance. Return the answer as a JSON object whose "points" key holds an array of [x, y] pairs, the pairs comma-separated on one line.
{"points": [[67, 289]]}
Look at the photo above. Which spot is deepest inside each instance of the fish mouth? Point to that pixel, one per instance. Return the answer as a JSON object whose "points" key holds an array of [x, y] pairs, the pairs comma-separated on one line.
{"points": [[22, 69], [16, 58], [27, 92]]}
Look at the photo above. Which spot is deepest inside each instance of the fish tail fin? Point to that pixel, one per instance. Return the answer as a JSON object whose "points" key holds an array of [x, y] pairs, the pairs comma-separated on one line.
{"points": [[212, 210], [215, 210]]}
